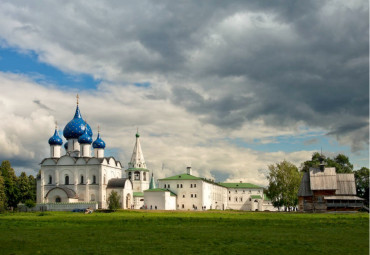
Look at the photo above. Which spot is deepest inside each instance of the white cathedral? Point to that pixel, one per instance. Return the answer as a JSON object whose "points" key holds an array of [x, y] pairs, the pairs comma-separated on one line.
{"points": [[79, 180]]}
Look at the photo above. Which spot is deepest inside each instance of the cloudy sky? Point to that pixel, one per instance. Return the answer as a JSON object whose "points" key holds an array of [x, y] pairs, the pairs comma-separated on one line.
{"points": [[227, 87]]}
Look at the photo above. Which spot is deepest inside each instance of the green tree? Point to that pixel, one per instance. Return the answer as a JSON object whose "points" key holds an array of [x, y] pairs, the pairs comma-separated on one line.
{"points": [[33, 184], [10, 183], [362, 183], [30, 203], [2, 194], [24, 187], [340, 162], [314, 162], [284, 180], [113, 201]]}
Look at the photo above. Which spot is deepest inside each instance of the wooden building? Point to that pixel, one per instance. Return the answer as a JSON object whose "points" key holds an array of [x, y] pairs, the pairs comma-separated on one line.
{"points": [[322, 189]]}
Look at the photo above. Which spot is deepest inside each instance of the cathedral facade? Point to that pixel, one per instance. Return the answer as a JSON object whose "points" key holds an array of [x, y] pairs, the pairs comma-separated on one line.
{"points": [[82, 176]]}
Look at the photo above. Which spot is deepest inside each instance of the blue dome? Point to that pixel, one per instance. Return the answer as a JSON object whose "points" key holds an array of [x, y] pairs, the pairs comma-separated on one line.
{"points": [[99, 143], [55, 139], [76, 127], [66, 146], [85, 138]]}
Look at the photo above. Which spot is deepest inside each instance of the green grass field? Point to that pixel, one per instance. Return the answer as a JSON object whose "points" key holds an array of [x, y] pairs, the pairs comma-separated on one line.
{"points": [[133, 232]]}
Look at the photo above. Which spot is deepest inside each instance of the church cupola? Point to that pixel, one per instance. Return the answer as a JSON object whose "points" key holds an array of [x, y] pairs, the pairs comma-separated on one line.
{"points": [[99, 146], [55, 144], [74, 129], [85, 144]]}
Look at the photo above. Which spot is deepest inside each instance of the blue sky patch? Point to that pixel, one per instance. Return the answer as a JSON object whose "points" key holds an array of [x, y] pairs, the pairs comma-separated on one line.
{"points": [[11, 60]]}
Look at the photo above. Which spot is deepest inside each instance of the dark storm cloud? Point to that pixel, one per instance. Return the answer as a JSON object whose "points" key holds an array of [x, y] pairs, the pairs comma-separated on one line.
{"points": [[319, 76], [227, 61]]}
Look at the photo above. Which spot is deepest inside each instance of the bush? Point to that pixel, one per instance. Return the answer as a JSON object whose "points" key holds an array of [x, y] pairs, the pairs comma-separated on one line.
{"points": [[113, 201], [30, 203]]}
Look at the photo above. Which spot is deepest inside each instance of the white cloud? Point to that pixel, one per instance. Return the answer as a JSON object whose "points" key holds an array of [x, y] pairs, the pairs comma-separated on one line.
{"points": [[169, 135]]}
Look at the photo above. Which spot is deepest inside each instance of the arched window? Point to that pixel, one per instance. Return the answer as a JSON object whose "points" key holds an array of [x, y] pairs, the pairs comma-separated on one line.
{"points": [[58, 200], [144, 176], [165, 186], [94, 179], [137, 176], [50, 179], [82, 179], [66, 180], [129, 175]]}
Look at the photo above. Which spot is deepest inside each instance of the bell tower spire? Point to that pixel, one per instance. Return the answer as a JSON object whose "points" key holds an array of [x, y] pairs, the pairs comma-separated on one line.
{"points": [[137, 158], [137, 171]]}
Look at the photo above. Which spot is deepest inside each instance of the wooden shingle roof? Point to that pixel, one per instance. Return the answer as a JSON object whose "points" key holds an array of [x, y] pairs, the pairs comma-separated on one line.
{"points": [[323, 180]]}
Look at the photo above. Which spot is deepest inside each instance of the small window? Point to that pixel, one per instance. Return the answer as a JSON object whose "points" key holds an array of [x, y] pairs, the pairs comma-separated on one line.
{"points": [[129, 175], [50, 179], [250, 192], [82, 179], [236, 191], [195, 185], [243, 191], [191, 185], [191, 195], [178, 186], [183, 196], [144, 176], [94, 179], [241, 199], [137, 176], [92, 198], [236, 199], [168, 185], [182, 206], [104, 179], [165, 186], [229, 191], [229, 198], [181, 185], [195, 195], [58, 200], [66, 180]]}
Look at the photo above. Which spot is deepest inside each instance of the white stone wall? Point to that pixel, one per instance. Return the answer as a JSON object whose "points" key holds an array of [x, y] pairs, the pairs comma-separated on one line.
{"points": [[189, 193], [240, 199], [87, 191], [196, 194], [159, 200], [214, 196]]}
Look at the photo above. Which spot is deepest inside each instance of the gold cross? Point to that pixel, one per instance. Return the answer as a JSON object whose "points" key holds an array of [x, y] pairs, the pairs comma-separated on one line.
{"points": [[77, 98], [56, 124]]}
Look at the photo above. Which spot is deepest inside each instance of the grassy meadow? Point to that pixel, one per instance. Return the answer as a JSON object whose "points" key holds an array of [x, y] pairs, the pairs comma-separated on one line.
{"points": [[148, 232]]}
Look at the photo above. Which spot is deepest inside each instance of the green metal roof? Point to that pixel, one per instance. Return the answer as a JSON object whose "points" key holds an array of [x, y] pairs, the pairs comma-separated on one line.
{"points": [[240, 185], [137, 169], [138, 194], [182, 177], [256, 197], [160, 190], [152, 183]]}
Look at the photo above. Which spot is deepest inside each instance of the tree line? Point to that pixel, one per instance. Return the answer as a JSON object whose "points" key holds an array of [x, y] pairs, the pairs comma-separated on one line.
{"points": [[285, 178], [15, 189]]}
